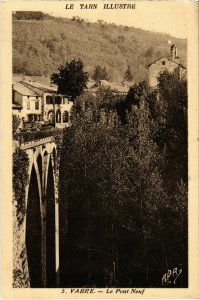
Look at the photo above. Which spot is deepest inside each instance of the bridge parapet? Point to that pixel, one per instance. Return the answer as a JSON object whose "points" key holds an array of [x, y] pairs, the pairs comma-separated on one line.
{"points": [[32, 144], [25, 137]]}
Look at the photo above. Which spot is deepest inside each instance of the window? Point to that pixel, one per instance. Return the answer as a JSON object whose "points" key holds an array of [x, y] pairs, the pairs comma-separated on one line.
{"points": [[65, 116], [51, 116], [37, 97], [37, 105], [28, 105], [163, 63], [58, 100], [58, 116], [49, 100]]}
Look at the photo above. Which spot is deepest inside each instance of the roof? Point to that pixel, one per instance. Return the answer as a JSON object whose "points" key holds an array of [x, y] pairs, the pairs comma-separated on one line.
{"points": [[167, 57], [23, 90], [114, 86], [39, 87]]}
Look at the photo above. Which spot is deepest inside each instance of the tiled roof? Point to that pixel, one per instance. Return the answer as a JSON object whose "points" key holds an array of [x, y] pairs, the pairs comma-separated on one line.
{"points": [[23, 90], [39, 87], [114, 86], [169, 58]]}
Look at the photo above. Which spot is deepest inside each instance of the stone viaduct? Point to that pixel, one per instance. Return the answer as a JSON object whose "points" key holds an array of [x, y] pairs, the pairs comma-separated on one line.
{"points": [[36, 240]]}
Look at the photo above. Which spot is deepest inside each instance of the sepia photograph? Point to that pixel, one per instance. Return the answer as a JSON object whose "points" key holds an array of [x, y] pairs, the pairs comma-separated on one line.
{"points": [[99, 107]]}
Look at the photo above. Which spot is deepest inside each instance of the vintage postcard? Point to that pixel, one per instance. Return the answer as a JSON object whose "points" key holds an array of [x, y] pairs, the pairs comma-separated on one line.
{"points": [[99, 140]]}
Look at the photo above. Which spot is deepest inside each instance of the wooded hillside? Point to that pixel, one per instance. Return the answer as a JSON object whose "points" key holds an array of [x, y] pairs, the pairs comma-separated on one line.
{"points": [[42, 43]]}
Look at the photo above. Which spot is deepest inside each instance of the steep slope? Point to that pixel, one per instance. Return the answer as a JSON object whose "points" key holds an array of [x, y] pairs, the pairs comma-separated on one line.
{"points": [[40, 46]]}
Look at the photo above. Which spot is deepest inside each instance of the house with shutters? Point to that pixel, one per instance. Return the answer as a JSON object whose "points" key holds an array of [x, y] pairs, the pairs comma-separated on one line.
{"points": [[41, 103], [170, 63]]}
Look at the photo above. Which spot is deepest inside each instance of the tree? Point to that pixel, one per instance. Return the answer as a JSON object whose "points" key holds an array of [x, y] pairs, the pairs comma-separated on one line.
{"points": [[100, 74], [71, 79], [30, 15], [128, 76], [173, 93], [90, 204], [15, 123], [147, 194], [133, 97]]}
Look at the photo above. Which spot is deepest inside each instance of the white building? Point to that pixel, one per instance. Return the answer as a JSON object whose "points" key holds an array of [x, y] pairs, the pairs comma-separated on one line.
{"points": [[42, 103], [27, 102]]}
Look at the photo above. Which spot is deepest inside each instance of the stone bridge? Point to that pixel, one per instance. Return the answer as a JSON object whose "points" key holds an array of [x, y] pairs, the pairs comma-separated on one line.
{"points": [[36, 241]]}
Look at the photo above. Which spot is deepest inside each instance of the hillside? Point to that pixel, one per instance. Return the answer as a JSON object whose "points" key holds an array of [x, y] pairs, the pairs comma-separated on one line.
{"points": [[40, 46]]}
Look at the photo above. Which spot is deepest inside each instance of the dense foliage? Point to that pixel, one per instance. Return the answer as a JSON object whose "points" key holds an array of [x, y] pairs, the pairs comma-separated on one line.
{"points": [[30, 15], [20, 180], [15, 123], [123, 203], [71, 79], [175, 132], [41, 46]]}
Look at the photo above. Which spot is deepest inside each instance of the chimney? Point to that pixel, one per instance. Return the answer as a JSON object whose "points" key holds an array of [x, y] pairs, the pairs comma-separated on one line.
{"points": [[174, 53]]}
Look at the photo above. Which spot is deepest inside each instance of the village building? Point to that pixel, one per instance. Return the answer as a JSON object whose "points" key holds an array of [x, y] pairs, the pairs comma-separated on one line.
{"points": [[170, 63], [41, 103], [26, 103], [118, 88]]}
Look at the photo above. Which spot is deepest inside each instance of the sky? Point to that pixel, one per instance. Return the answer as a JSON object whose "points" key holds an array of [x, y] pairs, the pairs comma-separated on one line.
{"points": [[172, 17]]}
